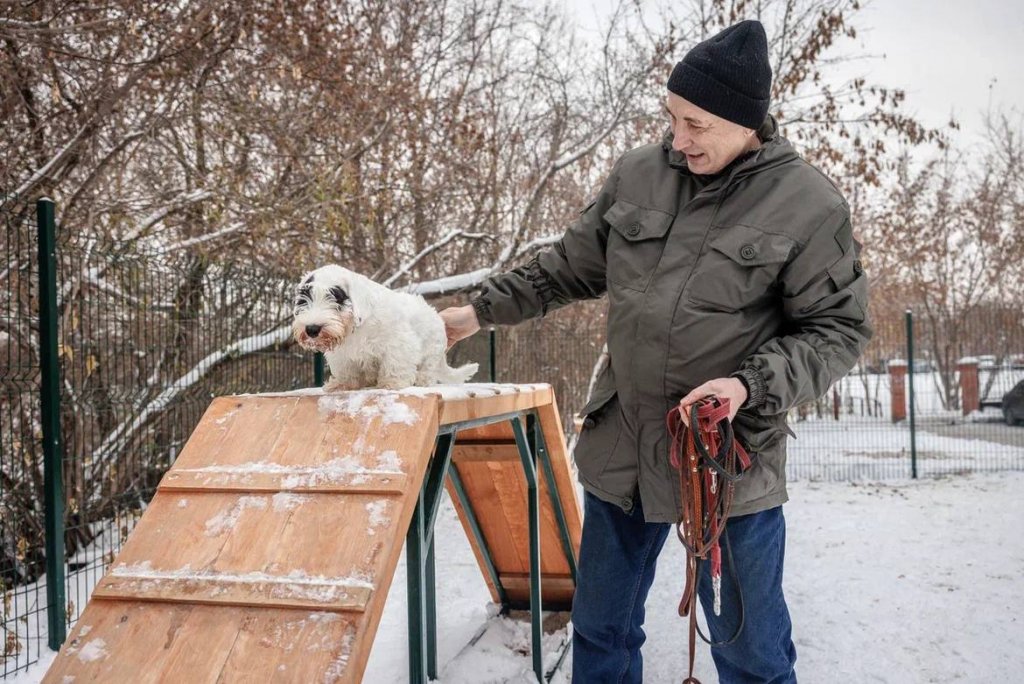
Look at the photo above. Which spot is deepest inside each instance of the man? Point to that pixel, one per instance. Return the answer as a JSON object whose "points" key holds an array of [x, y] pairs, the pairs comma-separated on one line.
{"points": [[731, 270]]}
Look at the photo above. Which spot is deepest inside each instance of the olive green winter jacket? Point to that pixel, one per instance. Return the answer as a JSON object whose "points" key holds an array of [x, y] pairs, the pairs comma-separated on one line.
{"points": [[753, 273]]}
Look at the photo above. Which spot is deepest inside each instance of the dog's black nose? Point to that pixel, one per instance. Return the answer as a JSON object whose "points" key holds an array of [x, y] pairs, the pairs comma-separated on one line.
{"points": [[313, 330]]}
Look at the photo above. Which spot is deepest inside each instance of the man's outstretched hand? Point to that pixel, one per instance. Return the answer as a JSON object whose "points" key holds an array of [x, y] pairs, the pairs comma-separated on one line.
{"points": [[723, 388], [459, 323]]}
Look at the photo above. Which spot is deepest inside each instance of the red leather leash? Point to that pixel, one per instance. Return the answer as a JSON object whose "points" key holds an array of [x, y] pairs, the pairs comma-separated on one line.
{"points": [[709, 461]]}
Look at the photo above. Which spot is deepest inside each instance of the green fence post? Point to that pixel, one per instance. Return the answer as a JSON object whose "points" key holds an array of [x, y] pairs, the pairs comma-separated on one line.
{"points": [[49, 394], [492, 356], [318, 369], [910, 394]]}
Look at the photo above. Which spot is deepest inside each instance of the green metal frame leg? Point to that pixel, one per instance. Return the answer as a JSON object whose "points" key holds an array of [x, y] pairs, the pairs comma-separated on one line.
{"points": [[416, 585], [431, 604], [530, 469], [419, 560]]}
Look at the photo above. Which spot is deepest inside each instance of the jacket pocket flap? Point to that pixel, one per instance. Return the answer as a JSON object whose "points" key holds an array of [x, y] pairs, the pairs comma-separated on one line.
{"points": [[598, 399], [749, 246], [634, 222]]}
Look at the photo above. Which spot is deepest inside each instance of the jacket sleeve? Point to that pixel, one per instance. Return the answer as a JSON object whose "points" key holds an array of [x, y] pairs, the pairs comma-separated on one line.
{"points": [[571, 269], [824, 306]]}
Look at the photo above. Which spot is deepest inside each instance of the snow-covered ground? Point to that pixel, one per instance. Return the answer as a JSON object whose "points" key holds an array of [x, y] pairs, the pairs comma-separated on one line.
{"points": [[855, 448], [916, 581], [927, 389]]}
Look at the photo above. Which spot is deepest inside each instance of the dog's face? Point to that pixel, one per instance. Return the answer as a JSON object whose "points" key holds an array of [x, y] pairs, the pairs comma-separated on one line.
{"points": [[325, 313]]}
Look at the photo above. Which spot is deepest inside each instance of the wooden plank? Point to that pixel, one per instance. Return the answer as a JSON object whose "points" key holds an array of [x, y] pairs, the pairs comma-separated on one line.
{"points": [[324, 480], [519, 582], [497, 490], [565, 481], [520, 398], [269, 548], [146, 642], [237, 590], [485, 451], [285, 520]]}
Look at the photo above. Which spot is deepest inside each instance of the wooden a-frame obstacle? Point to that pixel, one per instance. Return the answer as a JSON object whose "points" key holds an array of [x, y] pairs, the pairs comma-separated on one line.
{"points": [[269, 547]]}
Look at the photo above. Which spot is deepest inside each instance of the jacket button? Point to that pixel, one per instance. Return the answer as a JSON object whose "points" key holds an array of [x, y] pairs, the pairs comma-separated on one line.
{"points": [[627, 504], [858, 268], [589, 422], [634, 229], [748, 252]]}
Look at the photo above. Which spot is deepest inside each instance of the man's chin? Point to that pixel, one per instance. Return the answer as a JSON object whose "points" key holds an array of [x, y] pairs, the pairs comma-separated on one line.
{"points": [[699, 164]]}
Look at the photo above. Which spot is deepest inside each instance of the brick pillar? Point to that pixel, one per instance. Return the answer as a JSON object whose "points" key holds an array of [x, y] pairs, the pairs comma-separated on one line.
{"points": [[898, 389], [970, 389]]}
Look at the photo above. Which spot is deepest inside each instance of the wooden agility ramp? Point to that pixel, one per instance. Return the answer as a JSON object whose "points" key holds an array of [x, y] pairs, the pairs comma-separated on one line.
{"points": [[268, 550]]}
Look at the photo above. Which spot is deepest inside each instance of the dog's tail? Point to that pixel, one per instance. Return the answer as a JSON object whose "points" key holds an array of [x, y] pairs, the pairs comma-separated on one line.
{"points": [[460, 374]]}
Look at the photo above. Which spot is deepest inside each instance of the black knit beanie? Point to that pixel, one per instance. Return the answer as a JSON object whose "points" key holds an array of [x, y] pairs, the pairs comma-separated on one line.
{"points": [[728, 74]]}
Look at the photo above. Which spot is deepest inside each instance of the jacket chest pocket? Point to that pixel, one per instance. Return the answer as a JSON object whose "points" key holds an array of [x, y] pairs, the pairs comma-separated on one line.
{"points": [[635, 243], [739, 269]]}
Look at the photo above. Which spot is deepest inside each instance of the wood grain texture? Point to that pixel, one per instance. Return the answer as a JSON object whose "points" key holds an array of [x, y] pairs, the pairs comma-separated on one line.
{"points": [[269, 548]]}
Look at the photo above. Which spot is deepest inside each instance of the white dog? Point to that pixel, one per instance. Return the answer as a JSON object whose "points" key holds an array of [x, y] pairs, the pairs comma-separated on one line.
{"points": [[370, 335]]}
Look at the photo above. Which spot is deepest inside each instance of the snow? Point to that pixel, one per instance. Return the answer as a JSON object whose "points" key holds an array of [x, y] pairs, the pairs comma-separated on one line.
{"points": [[227, 520], [284, 501], [295, 584], [905, 582], [858, 449], [369, 405], [93, 650], [450, 283], [348, 469]]}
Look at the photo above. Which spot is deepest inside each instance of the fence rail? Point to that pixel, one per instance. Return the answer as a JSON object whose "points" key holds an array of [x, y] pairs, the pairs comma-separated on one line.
{"points": [[112, 352]]}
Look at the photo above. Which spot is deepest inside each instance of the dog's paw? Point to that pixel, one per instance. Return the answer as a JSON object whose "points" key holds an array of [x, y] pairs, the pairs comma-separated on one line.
{"points": [[334, 385], [395, 383]]}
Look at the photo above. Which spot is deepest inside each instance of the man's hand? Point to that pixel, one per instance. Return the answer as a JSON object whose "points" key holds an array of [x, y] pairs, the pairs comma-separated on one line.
{"points": [[723, 388], [459, 323]]}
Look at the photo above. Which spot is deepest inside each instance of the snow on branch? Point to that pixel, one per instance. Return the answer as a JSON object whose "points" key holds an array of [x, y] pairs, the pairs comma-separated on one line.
{"points": [[554, 167], [430, 249], [179, 202], [448, 284], [226, 230], [537, 243], [55, 161], [124, 432]]}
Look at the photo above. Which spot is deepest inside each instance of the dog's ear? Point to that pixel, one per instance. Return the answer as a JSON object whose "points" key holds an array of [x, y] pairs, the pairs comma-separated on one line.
{"points": [[356, 294]]}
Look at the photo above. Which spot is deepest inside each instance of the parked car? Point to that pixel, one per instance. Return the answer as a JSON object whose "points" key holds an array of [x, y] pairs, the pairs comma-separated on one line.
{"points": [[1013, 404]]}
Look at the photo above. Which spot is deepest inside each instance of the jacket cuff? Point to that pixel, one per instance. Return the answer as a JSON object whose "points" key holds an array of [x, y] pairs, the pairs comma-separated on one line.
{"points": [[483, 310], [757, 388]]}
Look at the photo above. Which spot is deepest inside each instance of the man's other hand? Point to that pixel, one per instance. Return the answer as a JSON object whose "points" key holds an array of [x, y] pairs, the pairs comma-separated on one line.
{"points": [[723, 388], [459, 323]]}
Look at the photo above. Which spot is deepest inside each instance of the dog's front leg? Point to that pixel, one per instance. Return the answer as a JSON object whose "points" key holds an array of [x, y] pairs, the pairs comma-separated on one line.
{"points": [[344, 377]]}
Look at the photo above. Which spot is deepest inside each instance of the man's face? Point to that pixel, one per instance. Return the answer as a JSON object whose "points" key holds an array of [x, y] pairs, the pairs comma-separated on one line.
{"points": [[708, 141]]}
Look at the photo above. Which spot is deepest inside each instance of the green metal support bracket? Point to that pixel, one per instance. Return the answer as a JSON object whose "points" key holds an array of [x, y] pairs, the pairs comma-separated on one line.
{"points": [[539, 447]]}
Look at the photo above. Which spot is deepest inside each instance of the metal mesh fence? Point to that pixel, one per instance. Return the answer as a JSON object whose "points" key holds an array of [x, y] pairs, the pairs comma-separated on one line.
{"points": [[147, 336], [23, 610], [961, 378]]}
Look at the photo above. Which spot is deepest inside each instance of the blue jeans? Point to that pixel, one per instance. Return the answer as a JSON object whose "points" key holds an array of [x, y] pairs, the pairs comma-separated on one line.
{"points": [[618, 555]]}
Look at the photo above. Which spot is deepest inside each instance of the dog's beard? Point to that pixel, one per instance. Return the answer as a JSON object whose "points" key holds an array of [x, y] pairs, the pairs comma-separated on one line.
{"points": [[334, 329]]}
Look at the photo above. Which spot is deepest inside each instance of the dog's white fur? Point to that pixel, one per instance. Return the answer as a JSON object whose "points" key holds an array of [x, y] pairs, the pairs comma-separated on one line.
{"points": [[370, 335]]}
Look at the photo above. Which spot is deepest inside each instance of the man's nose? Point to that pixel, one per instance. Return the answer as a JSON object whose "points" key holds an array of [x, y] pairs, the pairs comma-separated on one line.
{"points": [[680, 141]]}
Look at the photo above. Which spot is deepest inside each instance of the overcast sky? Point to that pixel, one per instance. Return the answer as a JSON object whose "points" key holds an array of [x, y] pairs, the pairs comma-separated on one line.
{"points": [[945, 55]]}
